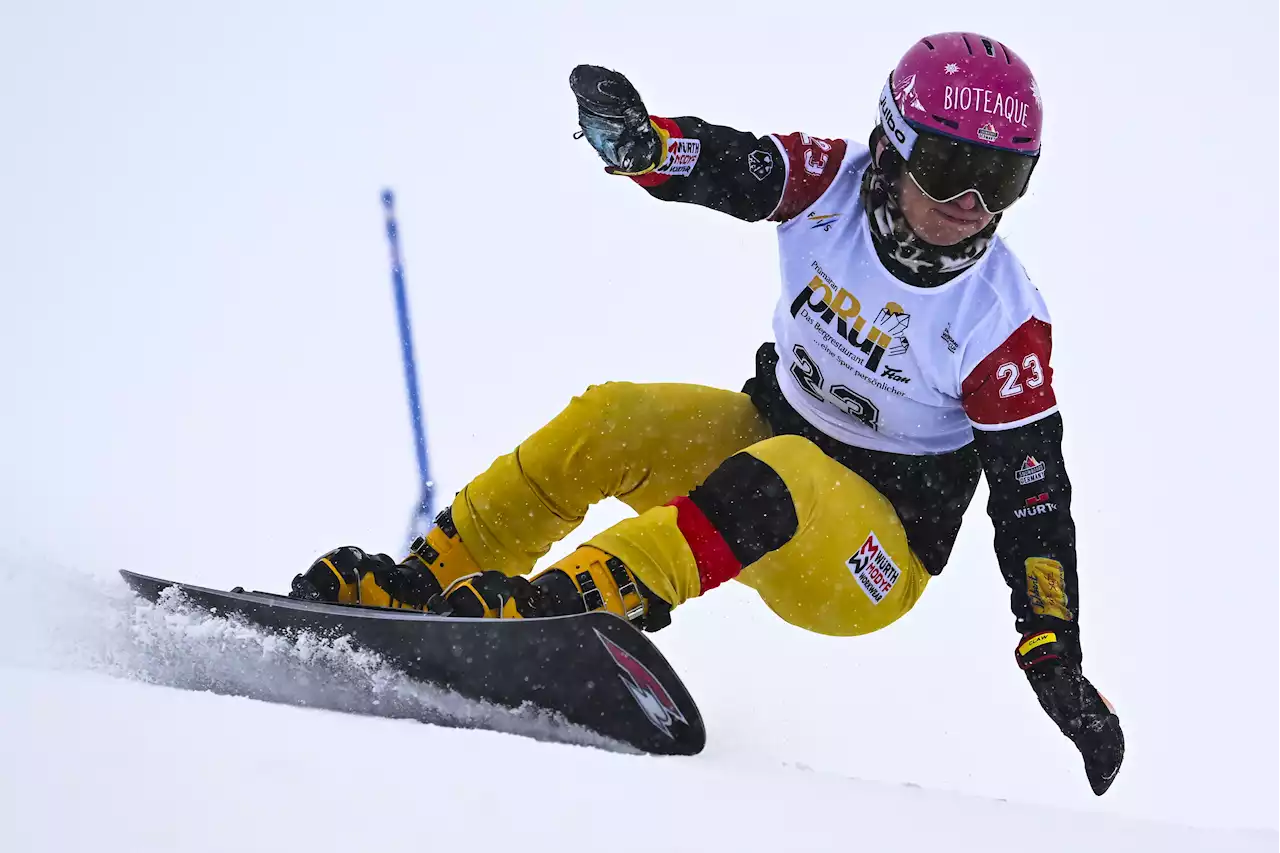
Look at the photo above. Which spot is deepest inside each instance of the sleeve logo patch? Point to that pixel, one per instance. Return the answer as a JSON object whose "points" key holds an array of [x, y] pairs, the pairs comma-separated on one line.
{"points": [[874, 570], [760, 163], [1030, 471], [682, 156]]}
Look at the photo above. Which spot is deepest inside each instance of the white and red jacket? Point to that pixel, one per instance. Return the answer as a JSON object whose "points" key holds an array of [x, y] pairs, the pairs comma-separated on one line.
{"points": [[916, 388]]}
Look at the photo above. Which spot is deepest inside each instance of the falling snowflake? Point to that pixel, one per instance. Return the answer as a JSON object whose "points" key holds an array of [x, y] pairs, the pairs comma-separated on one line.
{"points": [[1035, 92], [951, 68]]}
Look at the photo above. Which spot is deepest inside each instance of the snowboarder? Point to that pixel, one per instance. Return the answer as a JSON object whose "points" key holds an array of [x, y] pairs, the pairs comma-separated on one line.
{"points": [[911, 354]]}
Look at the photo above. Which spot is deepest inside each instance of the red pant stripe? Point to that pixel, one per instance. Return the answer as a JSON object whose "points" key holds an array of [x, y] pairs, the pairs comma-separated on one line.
{"points": [[716, 562]]}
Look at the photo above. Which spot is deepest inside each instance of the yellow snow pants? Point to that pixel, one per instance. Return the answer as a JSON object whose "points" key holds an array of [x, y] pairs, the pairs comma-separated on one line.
{"points": [[847, 568]]}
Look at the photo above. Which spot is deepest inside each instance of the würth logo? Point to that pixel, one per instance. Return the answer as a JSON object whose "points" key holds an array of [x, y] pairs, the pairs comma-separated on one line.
{"points": [[874, 569], [682, 156], [645, 688], [1035, 509]]}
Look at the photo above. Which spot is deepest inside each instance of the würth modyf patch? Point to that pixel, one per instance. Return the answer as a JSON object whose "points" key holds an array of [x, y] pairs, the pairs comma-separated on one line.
{"points": [[682, 156], [872, 567]]}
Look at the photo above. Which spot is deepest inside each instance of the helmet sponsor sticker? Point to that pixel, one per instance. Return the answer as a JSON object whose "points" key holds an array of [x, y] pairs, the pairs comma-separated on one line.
{"points": [[901, 134], [985, 101]]}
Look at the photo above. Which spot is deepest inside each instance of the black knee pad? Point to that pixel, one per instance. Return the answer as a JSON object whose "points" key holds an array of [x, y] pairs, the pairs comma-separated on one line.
{"points": [[749, 505]]}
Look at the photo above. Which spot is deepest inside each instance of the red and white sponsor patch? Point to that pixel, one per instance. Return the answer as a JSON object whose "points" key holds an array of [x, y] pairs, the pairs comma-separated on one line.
{"points": [[874, 570], [1030, 471], [682, 156]]}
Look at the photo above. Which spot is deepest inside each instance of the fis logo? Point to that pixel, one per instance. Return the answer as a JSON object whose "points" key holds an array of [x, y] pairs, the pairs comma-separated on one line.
{"points": [[822, 220], [874, 570], [1031, 471], [884, 337], [644, 687]]}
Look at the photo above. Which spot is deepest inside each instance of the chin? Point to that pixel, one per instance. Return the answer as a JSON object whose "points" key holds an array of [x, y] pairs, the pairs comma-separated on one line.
{"points": [[947, 234], [947, 238]]}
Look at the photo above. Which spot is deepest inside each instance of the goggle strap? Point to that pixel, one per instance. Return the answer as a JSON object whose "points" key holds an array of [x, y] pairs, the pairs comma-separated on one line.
{"points": [[900, 134]]}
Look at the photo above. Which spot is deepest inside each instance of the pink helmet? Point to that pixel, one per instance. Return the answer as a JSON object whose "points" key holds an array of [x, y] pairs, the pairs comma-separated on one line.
{"points": [[964, 88]]}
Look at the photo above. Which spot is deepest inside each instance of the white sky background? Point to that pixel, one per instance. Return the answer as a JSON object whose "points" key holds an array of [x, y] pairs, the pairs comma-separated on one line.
{"points": [[201, 376]]}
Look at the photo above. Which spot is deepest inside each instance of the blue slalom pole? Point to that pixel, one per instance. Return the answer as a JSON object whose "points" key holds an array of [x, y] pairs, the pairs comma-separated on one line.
{"points": [[422, 515]]}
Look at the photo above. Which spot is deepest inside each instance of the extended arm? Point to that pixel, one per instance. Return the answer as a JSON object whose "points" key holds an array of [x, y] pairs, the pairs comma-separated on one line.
{"points": [[689, 160], [1018, 434]]}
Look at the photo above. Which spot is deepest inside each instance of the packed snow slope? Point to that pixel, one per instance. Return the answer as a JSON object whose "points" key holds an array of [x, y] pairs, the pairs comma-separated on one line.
{"points": [[201, 380], [93, 759]]}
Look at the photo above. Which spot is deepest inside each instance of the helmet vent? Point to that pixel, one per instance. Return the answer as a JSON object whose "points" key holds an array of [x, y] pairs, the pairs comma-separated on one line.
{"points": [[1019, 140], [928, 44], [990, 50], [1007, 58], [967, 46], [951, 123]]}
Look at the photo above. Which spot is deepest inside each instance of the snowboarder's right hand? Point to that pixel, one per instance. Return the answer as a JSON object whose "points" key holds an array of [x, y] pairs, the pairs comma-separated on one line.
{"points": [[1051, 661], [613, 119]]}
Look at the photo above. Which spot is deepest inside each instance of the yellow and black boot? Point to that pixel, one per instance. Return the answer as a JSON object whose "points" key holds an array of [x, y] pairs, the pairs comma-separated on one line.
{"points": [[349, 575], [588, 579]]}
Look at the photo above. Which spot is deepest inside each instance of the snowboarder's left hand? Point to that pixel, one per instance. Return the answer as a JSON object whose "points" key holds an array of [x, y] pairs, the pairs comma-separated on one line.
{"points": [[1051, 660], [614, 120]]}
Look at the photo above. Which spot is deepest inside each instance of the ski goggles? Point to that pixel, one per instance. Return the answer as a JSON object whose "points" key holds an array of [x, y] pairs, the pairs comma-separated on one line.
{"points": [[945, 168]]}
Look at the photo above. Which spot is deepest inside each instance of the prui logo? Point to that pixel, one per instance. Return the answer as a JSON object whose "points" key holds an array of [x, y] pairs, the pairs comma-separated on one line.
{"points": [[874, 570], [645, 688], [832, 304], [1030, 471]]}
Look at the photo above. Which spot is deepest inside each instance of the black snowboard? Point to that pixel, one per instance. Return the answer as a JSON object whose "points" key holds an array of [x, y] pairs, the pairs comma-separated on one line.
{"points": [[595, 669]]}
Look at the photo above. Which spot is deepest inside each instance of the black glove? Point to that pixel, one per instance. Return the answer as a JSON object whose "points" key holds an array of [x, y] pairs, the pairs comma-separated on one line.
{"points": [[614, 120], [1051, 660]]}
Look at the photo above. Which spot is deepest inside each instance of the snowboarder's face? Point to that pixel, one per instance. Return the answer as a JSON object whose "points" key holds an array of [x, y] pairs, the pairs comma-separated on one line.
{"points": [[941, 223]]}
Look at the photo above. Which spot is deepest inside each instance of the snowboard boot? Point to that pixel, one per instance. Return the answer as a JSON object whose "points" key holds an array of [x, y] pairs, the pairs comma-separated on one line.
{"points": [[586, 580], [349, 575]]}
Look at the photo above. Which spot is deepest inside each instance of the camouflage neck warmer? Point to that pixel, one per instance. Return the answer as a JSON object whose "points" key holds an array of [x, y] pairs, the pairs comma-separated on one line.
{"points": [[905, 255]]}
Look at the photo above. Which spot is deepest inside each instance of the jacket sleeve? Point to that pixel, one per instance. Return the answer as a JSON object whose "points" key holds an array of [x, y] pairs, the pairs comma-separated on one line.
{"points": [[736, 172], [1010, 402], [1030, 508]]}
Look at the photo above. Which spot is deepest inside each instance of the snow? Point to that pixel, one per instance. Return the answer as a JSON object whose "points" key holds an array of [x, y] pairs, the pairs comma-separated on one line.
{"points": [[201, 380], [150, 767]]}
